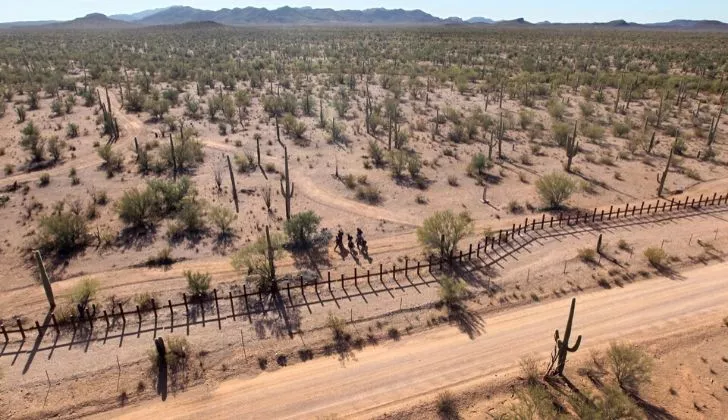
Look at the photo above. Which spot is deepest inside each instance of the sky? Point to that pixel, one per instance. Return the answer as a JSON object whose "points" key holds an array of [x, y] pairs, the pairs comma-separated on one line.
{"points": [[641, 11]]}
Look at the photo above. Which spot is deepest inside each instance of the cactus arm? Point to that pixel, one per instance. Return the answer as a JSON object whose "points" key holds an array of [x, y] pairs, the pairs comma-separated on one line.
{"points": [[575, 347]]}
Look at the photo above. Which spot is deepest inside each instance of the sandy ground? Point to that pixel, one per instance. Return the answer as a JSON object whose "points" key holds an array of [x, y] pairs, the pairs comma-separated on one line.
{"points": [[387, 377]]}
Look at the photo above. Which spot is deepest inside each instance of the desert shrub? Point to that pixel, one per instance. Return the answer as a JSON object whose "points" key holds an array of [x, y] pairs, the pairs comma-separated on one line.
{"points": [[32, 142], [398, 162], [137, 208], [188, 152], [414, 165], [555, 188], [176, 357], [624, 245], [452, 292], [368, 193], [593, 132], [72, 130], [478, 163], [452, 180], [337, 326], [529, 370], [113, 161], [376, 154], [198, 283], [55, 148], [190, 216], [587, 109], [252, 260], [620, 129], [447, 408], [349, 180], [62, 232], [525, 118], [560, 133], [144, 300], [444, 224], [222, 218], [84, 292], [587, 255], [44, 179], [302, 228], [630, 365], [457, 134], [556, 109], [657, 257], [515, 207]]}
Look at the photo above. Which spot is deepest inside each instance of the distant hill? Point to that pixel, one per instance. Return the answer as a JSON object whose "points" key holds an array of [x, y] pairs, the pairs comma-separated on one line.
{"points": [[479, 19], [289, 15], [137, 16], [27, 24], [91, 21], [178, 15]]}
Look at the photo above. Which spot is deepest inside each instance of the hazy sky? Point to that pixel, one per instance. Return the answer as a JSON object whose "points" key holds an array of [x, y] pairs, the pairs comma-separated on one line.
{"points": [[532, 10]]}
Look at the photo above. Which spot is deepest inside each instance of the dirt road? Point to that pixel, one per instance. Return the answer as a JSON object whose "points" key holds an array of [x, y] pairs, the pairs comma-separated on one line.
{"points": [[396, 374]]}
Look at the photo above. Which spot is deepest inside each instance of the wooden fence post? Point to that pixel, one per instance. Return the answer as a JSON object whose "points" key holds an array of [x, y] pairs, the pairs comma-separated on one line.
{"points": [[5, 333], [641, 207], [543, 219], [610, 212], [232, 305], [123, 318]]}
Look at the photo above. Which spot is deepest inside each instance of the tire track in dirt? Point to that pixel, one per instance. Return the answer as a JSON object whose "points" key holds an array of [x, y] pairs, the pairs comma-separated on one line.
{"points": [[396, 374]]}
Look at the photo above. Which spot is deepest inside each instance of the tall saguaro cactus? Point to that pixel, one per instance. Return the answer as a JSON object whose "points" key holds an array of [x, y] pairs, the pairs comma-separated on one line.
{"points": [[287, 186], [270, 255], [45, 280], [562, 346], [661, 178], [572, 148]]}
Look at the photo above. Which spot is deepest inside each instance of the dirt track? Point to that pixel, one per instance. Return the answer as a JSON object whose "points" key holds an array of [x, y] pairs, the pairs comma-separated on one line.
{"points": [[398, 374]]}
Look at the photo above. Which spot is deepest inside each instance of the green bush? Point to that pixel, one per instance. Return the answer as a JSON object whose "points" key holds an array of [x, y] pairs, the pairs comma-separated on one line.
{"points": [[447, 408], [302, 228], [620, 129], [478, 163], [444, 224], [253, 260], [452, 292], [113, 161], [630, 365], [32, 142], [198, 283], [368, 193], [376, 154], [63, 232], [656, 256], [555, 188], [137, 208], [222, 218], [84, 292]]}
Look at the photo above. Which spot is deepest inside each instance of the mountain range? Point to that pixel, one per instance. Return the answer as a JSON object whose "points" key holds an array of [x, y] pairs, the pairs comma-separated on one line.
{"points": [[177, 15]]}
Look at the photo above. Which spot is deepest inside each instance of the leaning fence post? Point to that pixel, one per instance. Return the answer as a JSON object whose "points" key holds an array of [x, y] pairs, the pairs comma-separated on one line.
{"points": [[123, 318], [232, 181], [288, 291], [5, 333], [672, 202], [232, 305], [245, 299], [712, 203], [641, 207], [543, 219], [217, 307], [356, 279], [171, 316], [700, 200], [20, 328]]}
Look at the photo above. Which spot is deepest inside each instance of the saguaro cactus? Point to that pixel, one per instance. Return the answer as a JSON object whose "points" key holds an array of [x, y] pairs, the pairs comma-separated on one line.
{"points": [[661, 178], [232, 182], [287, 186], [572, 148], [562, 346]]}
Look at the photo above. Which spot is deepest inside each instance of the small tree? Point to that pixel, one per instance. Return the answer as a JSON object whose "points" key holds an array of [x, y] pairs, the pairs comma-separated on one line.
{"points": [[555, 188], [443, 230], [301, 228], [631, 366]]}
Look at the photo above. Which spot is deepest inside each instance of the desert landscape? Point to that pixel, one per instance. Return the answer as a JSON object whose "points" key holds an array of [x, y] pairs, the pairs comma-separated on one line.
{"points": [[378, 221]]}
